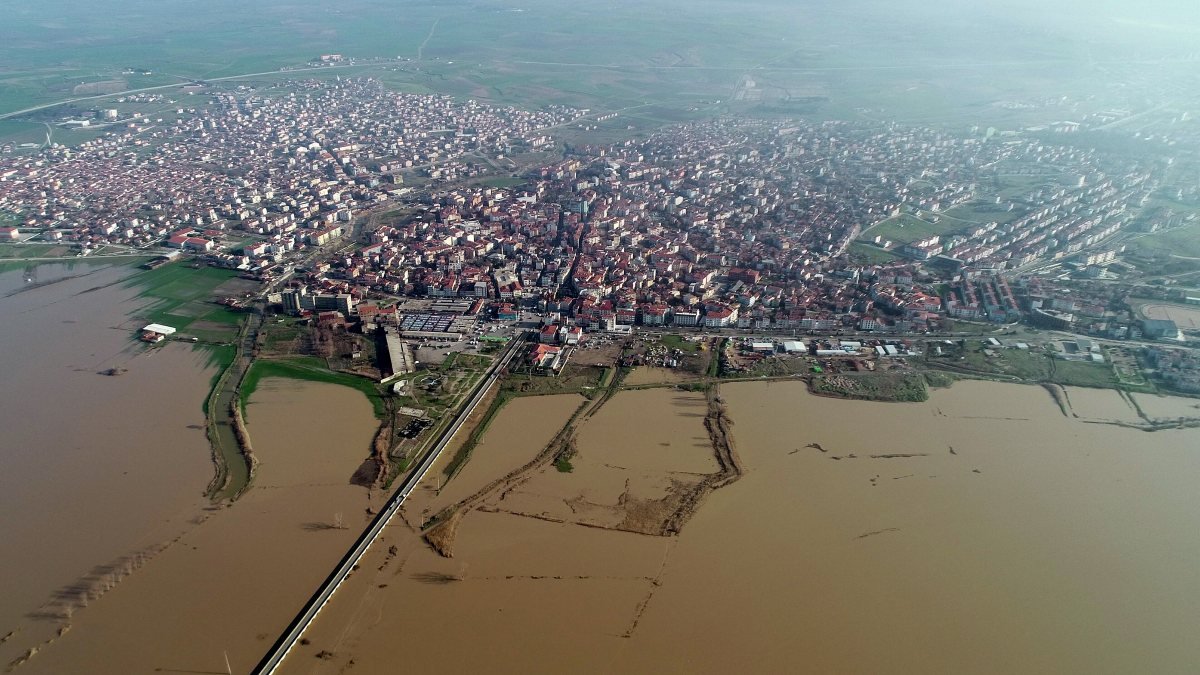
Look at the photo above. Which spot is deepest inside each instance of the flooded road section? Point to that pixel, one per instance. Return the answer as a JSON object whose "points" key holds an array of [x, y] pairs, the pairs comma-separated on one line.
{"points": [[232, 583], [981, 531], [96, 472]]}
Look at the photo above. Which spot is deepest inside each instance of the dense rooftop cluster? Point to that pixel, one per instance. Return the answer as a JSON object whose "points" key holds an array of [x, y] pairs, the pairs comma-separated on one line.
{"points": [[305, 155], [745, 223], [728, 222]]}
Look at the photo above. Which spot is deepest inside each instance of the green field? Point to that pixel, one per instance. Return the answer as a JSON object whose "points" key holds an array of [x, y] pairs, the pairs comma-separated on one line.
{"points": [[1181, 241], [678, 342], [870, 59], [11, 251], [904, 229], [1083, 374], [178, 295], [870, 254], [503, 182]]}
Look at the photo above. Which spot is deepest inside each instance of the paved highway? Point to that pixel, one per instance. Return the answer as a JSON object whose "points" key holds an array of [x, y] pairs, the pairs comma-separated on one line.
{"points": [[284, 644]]}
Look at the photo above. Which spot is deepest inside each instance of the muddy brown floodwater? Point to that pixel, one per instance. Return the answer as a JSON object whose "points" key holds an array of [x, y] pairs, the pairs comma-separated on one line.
{"points": [[1101, 404], [981, 531], [655, 375], [1167, 407], [232, 583], [96, 472]]}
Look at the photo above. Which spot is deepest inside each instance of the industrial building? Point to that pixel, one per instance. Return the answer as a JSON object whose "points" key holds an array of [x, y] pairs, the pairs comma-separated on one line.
{"points": [[156, 332]]}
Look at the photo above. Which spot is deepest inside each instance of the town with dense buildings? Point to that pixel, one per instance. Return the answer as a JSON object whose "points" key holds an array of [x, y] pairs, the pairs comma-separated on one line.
{"points": [[344, 198]]}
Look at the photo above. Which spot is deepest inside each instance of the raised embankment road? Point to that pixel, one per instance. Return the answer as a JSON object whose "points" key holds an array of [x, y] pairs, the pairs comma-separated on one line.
{"points": [[284, 644]]}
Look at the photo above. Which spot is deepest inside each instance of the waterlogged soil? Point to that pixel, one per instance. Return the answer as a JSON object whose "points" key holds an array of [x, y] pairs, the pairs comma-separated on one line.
{"points": [[981, 531], [522, 429], [655, 375], [1101, 404], [640, 447], [1168, 407], [234, 580], [97, 472]]}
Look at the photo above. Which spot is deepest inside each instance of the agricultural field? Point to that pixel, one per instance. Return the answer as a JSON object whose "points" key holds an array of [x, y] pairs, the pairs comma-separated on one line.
{"points": [[18, 251], [184, 297], [1180, 241], [658, 63]]}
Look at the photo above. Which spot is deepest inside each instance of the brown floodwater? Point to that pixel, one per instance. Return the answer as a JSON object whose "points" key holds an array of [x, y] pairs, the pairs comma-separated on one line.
{"points": [[1101, 404], [981, 531], [639, 446], [514, 437], [654, 375], [95, 471], [1168, 407], [232, 584]]}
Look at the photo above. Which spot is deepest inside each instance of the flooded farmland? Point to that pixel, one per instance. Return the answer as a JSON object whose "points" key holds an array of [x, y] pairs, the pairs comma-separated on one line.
{"points": [[97, 472], [981, 531], [1101, 404], [1167, 407], [234, 581], [515, 437]]}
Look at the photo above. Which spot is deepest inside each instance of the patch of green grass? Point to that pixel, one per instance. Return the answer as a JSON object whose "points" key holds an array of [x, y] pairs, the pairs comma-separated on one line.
{"points": [[218, 357], [680, 343], [503, 181], [606, 377], [938, 379], [909, 387], [312, 370], [1025, 364], [718, 356], [26, 250], [1184, 241], [1084, 374], [9, 218], [179, 295], [870, 254], [574, 378], [904, 229], [564, 465]]}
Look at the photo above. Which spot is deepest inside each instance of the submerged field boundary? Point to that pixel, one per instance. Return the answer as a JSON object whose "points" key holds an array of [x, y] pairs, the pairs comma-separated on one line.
{"points": [[673, 511]]}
